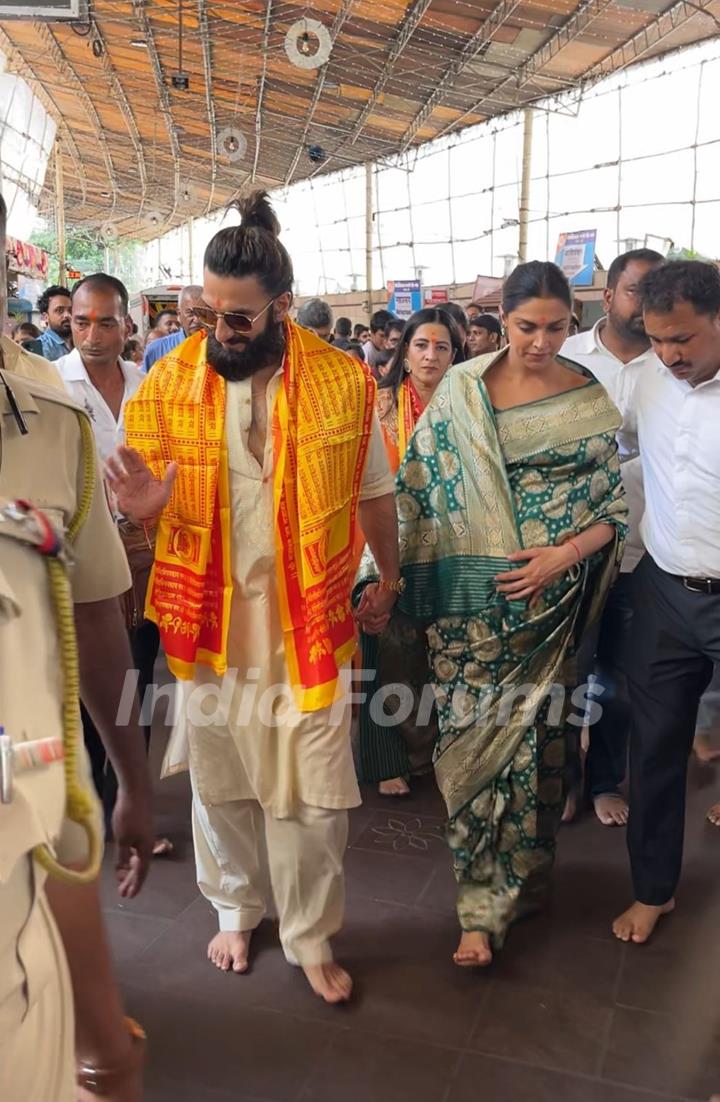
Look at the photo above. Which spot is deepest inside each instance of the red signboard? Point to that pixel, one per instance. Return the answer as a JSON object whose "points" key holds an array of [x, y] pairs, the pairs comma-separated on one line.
{"points": [[435, 296], [26, 259]]}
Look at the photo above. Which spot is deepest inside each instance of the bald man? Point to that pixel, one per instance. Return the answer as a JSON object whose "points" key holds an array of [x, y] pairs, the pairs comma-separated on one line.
{"points": [[187, 302]]}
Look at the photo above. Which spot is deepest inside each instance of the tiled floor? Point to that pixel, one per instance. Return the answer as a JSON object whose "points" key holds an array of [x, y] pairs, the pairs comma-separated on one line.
{"points": [[567, 1014]]}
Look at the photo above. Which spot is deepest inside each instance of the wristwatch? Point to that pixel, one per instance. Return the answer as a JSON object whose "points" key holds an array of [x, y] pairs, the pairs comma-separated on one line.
{"points": [[398, 586], [101, 1081]]}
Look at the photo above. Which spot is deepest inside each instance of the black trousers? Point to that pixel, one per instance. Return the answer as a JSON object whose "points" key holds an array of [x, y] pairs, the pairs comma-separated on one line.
{"points": [[604, 653], [675, 641], [145, 644]]}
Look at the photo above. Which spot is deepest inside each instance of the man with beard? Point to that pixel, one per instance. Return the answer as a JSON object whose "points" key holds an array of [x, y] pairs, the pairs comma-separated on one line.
{"points": [[54, 306], [617, 350], [261, 447]]}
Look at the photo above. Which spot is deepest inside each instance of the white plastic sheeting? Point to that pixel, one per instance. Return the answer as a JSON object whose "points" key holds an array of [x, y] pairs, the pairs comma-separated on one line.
{"points": [[637, 154], [27, 134]]}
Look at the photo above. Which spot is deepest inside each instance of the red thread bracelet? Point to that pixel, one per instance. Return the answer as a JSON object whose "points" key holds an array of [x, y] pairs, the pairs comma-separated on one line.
{"points": [[577, 550]]}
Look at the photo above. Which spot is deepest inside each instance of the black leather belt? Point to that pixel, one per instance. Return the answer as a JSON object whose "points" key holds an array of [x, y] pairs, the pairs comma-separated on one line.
{"points": [[699, 585]]}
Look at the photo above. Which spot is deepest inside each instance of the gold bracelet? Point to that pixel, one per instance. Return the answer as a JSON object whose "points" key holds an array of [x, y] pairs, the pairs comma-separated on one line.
{"points": [[398, 586], [101, 1081]]}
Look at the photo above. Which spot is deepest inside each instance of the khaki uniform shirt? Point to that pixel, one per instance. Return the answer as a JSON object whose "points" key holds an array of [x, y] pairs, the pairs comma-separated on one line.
{"points": [[44, 467], [21, 362]]}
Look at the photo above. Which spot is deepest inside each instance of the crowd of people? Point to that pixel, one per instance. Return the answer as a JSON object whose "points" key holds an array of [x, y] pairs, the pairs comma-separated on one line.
{"points": [[493, 543]]}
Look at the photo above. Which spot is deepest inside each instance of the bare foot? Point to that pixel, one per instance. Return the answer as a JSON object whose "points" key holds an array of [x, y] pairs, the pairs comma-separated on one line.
{"points": [[638, 922], [704, 750], [329, 981], [229, 951], [474, 950], [397, 786], [611, 809], [713, 816], [163, 847]]}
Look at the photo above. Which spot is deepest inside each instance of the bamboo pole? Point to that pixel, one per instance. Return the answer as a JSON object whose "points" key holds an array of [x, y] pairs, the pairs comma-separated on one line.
{"points": [[369, 235], [525, 184], [60, 214]]}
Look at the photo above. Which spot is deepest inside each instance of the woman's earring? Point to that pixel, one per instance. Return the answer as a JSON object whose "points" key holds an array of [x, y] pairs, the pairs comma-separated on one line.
{"points": [[406, 367]]}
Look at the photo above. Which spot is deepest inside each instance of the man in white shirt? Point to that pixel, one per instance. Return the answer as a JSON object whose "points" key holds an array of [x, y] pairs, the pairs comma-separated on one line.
{"points": [[617, 351], [102, 383], [94, 372], [676, 618]]}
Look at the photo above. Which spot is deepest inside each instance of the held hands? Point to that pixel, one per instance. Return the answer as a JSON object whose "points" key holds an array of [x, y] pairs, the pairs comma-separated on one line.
{"points": [[376, 605], [543, 566], [139, 494]]}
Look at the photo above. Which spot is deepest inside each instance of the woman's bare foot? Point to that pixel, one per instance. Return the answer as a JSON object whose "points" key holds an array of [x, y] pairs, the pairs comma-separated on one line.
{"points": [[611, 809], [638, 922], [397, 786], [329, 981], [163, 847], [229, 951], [474, 950], [713, 816]]}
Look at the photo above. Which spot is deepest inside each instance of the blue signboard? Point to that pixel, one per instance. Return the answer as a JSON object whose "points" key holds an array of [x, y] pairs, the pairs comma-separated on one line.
{"points": [[404, 297], [576, 256]]}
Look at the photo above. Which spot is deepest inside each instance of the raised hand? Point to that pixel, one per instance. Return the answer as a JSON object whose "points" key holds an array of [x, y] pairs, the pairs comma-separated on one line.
{"points": [[139, 494]]}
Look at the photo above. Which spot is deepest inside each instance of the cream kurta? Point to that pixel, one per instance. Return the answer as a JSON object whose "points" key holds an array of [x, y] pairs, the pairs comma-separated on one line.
{"points": [[282, 757]]}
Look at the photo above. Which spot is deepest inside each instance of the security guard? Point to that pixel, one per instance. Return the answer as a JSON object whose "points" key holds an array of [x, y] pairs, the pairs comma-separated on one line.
{"points": [[59, 550], [58, 547]]}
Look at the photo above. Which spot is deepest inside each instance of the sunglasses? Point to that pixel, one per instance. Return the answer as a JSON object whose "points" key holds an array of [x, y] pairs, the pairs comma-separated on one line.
{"points": [[239, 323]]}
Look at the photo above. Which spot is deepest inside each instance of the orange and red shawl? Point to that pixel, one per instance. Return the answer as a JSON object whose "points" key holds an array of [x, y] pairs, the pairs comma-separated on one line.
{"points": [[321, 424]]}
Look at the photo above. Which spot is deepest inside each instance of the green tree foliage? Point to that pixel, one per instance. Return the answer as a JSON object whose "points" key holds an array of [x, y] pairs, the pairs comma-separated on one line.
{"points": [[84, 253]]}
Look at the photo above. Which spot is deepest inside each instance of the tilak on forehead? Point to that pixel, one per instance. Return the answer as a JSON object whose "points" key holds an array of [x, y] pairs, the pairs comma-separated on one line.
{"points": [[436, 332]]}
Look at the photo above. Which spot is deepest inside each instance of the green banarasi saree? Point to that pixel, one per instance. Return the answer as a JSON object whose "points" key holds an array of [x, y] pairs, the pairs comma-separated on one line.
{"points": [[475, 485]]}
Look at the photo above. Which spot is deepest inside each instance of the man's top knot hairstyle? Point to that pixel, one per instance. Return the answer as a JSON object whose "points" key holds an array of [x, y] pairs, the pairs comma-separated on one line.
{"points": [[253, 248]]}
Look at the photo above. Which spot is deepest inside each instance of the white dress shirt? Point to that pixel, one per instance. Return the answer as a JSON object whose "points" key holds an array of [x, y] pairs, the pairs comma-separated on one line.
{"points": [[677, 427], [619, 380], [109, 433]]}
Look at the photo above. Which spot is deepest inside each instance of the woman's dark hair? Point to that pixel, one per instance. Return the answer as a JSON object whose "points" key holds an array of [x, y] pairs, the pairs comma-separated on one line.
{"points": [[537, 279], [252, 248], [455, 310], [431, 316]]}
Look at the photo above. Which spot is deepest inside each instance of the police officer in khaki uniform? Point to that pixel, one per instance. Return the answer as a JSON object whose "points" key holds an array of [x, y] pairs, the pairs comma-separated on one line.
{"points": [[63, 1036]]}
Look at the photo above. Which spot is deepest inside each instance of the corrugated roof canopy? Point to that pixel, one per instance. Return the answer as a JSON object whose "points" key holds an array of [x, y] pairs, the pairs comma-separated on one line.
{"points": [[145, 156]]}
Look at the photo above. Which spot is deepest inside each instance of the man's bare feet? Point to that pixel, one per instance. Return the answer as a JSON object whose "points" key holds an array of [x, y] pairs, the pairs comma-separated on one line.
{"points": [[704, 750], [229, 951], [397, 786], [329, 981], [474, 950], [611, 809], [638, 922], [713, 817]]}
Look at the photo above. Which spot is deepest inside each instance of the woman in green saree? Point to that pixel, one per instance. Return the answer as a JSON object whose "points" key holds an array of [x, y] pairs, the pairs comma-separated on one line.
{"points": [[511, 524]]}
